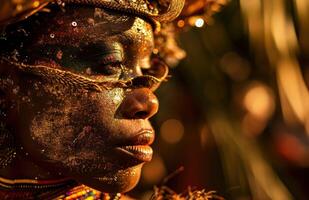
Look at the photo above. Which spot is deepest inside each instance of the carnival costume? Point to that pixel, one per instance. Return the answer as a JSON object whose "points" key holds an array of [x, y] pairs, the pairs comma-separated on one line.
{"points": [[160, 13]]}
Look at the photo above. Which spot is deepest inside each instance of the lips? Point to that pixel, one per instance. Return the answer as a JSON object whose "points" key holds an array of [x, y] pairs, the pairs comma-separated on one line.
{"points": [[137, 148]]}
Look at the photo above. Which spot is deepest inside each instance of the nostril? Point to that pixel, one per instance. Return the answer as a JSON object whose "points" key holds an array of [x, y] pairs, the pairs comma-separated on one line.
{"points": [[139, 103], [141, 115]]}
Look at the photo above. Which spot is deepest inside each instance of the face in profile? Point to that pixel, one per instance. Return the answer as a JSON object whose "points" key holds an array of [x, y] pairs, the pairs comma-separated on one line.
{"points": [[98, 137]]}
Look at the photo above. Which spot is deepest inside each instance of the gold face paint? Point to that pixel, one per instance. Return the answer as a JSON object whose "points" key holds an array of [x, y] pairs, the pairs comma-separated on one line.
{"points": [[83, 95]]}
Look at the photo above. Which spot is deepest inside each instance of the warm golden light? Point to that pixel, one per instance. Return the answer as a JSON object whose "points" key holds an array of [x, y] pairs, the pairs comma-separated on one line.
{"points": [[252, 126], [199, 22], [259, 101], [204, 136], [36, 4], [19, 7], [154, 171], [172, 131], [181, 23], [294, 94]]}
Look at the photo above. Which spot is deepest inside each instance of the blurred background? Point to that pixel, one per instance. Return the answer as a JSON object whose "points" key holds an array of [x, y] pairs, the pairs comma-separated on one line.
{"points": [[235, 113]]}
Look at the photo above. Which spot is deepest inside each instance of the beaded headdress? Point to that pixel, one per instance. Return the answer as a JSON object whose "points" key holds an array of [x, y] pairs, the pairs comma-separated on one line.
{"points": [[168, 16], [157, 10]]}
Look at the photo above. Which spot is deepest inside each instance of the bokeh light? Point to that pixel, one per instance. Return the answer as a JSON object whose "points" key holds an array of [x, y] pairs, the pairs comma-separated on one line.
{"points": [[172, 131], [199, 22], [154, 171], [259, 101]]}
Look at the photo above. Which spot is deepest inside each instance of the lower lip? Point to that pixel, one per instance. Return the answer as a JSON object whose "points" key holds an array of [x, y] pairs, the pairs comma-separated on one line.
{"points": [[139, 152]]}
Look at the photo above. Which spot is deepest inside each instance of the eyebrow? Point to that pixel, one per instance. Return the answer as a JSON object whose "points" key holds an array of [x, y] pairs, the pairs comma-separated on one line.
{"points": [[124, 39], [104, 50]]}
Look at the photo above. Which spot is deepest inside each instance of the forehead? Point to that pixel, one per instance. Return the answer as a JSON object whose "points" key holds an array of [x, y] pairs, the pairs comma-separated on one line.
{"points": [[78, 25]]}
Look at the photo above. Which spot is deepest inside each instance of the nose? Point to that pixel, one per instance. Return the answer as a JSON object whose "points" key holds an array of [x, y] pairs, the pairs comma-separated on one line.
{"points": [[139, 103]]}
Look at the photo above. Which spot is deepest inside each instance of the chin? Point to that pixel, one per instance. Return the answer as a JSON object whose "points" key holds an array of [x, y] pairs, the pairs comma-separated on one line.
{"points": [[120, 181]]}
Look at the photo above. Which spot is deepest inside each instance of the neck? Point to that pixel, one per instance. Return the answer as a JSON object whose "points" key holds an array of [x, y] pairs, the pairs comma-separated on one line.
{"points": [[23, 179], [24, 168]]}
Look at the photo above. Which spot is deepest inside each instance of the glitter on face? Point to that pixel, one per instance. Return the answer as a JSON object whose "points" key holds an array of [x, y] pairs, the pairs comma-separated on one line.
{"points": [[74, 24], [73, 127]]}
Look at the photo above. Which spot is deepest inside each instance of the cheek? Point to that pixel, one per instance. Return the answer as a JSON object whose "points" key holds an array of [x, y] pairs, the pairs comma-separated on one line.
{"points": [[71, 128]]}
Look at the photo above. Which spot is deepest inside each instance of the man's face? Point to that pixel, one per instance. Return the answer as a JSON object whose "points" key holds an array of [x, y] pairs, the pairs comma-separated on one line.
{"points": [[98, 138]]}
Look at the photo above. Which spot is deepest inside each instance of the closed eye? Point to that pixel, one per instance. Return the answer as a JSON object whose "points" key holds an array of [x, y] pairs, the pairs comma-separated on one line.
{"points": [[88, 59], [103, 60], [110, 69]]}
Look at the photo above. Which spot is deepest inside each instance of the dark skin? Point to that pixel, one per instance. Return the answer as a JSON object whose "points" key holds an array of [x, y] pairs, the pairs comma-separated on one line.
{"points": [[63, 131]]}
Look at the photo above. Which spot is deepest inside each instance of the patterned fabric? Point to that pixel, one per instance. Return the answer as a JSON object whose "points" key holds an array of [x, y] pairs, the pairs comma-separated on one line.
{"points": [[69, 191], [81, 192], [16, 189]]}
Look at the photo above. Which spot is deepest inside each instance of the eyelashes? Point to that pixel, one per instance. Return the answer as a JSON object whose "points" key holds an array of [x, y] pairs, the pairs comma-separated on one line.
{"points": [[106, 63], [109, 65], [93, 60], [79, 67], [90, 59], [114, 56]]}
